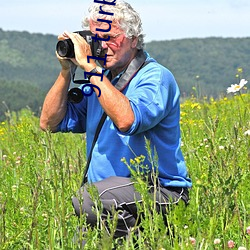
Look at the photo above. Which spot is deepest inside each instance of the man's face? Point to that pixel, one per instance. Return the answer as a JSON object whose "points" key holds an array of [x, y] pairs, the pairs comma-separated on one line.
{"points": [[118, 49]]}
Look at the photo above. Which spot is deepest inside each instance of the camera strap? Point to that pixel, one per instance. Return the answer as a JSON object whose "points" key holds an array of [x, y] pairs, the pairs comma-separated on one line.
{"points": [[136, 64]]}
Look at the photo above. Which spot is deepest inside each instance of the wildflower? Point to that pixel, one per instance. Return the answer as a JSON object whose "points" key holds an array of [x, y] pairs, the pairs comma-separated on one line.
{"points": [[248, 230], [195, 106], [192, 240], [247, 133], [123, 160], [230, 244], [237, 87], [198, 182], [45, 216], [216, 241], [240, 70], [14, 188], [221, 147], [137, 159], [242, 248], [132, 162]]}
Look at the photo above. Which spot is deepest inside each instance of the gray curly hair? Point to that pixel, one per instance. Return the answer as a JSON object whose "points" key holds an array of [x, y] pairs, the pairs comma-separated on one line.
{"points": [[124, 15]]}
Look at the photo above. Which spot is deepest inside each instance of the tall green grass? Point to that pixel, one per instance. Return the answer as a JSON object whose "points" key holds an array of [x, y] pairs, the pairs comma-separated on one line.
{"points": [[40, 172]]}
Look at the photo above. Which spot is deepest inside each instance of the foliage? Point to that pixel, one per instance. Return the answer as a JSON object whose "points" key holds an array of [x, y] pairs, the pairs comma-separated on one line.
{"points": [[28, 68], [14, 95], [40, 172], [28, 58], [206, 64]]}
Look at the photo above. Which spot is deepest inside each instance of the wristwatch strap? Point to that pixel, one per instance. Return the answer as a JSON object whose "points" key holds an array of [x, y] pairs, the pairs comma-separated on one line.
{"points": [[93, 71]]}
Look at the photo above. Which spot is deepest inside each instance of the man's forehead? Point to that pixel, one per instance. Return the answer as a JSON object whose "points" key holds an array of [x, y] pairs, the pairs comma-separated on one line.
{"points": [[105, 26]]}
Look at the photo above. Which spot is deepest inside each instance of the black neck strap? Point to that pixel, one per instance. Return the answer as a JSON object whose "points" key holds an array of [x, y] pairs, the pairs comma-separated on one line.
{"points": [[136, 64]]}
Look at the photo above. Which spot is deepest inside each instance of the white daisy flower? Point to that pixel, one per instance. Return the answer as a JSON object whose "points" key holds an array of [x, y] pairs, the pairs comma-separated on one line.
{"points": [[237, 87]]}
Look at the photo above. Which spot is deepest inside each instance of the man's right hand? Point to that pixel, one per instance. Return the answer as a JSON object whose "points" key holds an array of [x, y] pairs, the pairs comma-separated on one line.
{"points": [[66, 63]]}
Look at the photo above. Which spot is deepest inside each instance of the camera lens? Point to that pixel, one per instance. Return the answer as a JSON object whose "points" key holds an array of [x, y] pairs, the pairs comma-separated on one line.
{"points": [[65, 48], [75, 95]]}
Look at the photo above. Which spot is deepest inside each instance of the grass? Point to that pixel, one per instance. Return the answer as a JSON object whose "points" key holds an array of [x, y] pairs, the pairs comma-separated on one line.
{"points": [[40, 172]]}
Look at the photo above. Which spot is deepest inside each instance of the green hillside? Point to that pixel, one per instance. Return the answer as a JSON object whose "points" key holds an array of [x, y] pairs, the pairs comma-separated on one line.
{"points": [[28, 66], [28, 57], [211, 63]]}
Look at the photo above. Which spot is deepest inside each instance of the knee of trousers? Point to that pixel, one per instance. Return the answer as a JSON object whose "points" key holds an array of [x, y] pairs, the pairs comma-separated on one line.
{"points": [[77, 206], [84, 205]]}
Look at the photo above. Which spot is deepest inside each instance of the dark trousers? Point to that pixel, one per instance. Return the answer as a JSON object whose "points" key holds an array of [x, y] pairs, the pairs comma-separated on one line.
{"points": [[119, 194]]}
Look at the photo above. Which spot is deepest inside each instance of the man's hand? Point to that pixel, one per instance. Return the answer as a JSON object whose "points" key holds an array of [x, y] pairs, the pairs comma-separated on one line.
{"points": [[82, 51], [66, 63]]}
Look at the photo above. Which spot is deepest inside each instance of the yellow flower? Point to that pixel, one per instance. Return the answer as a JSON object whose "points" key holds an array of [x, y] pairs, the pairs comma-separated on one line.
{"points": [[137, 159], [183, 113], [195, 105], [240, 70], [132, 162]]}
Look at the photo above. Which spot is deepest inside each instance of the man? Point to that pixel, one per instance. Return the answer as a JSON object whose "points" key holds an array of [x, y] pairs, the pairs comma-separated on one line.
{"points": [[141, 100]]}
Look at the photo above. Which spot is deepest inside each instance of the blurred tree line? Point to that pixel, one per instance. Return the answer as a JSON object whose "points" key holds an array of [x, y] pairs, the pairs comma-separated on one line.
{"points": [[202, 67]]}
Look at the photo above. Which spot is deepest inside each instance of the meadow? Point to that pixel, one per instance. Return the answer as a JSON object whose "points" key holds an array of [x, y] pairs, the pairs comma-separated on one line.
{"points": [[40, 172]]}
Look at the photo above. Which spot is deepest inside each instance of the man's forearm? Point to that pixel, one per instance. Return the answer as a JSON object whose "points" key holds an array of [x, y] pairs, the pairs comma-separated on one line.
{"points": [[115, 104], [55, 103]]}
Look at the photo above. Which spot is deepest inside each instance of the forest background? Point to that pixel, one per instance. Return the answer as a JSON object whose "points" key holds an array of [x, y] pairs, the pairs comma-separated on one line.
{"points": [[201, 66]]}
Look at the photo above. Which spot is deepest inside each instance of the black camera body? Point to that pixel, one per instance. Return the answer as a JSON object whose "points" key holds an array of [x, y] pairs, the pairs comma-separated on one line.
{"points": [[65, 48]]}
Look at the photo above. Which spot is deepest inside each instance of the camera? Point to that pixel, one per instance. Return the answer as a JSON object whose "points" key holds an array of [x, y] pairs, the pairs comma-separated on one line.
{"points": [[65, 48]]}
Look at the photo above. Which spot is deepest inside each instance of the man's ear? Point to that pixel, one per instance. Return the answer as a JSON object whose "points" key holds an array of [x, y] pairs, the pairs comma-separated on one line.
{"points": [[134, 42]]}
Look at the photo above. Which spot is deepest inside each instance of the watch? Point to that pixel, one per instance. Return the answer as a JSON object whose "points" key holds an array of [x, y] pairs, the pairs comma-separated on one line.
{"points": [[96, 70]]}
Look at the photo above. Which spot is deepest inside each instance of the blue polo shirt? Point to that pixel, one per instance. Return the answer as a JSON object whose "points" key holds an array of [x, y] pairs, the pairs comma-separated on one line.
{"points": [[154, 97]]}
